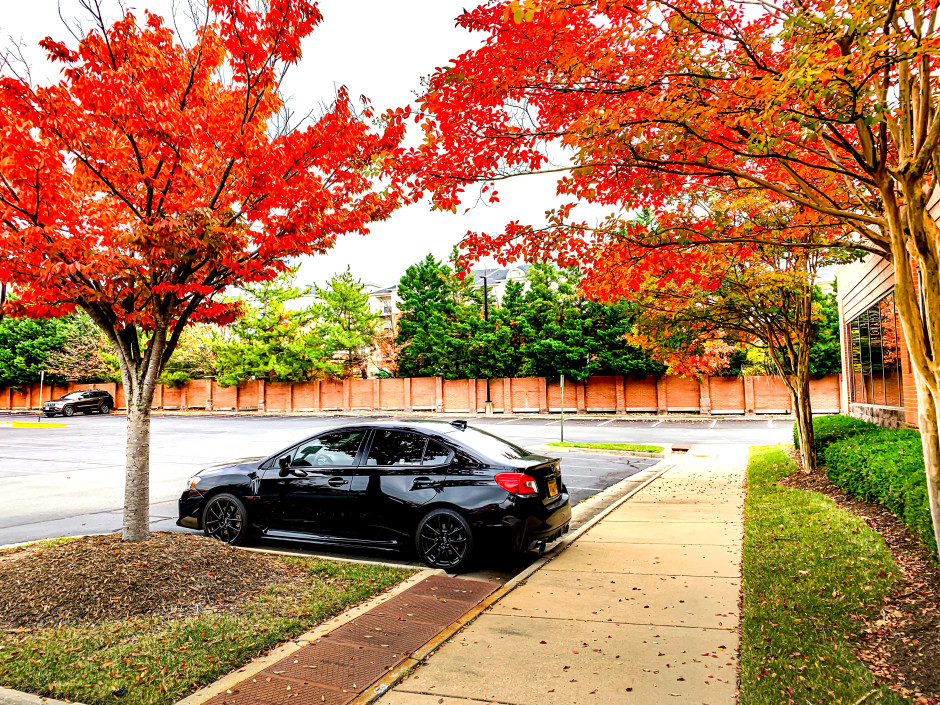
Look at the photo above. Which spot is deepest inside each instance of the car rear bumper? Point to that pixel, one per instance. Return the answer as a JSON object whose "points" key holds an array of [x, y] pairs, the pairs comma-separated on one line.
{"points": [[530, 523]]}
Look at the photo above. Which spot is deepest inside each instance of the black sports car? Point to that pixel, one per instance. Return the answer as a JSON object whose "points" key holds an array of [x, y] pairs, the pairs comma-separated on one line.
{"points": [[444, 490]]}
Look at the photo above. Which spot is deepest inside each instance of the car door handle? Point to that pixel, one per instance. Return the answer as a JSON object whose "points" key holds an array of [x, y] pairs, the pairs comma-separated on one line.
{"points": [[337, 482], [422, 482]]}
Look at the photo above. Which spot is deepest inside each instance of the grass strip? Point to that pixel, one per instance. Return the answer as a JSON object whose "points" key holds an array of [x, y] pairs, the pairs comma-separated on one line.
{"points": [[42, 543], [160, 660], [636, 447], [811, 570]]}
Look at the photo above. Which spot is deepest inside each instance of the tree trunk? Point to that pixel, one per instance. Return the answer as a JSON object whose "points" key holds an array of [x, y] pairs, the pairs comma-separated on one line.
{"points": [[929, 423], [137, 469], [803, 410]]}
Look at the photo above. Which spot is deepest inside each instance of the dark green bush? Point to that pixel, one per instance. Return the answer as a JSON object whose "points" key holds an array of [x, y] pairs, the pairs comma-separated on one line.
{"points": [[885, 466], [827, 429]]}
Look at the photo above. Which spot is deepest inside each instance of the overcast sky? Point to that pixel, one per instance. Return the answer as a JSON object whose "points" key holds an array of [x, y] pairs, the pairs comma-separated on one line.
{"points": [[377, 48]]}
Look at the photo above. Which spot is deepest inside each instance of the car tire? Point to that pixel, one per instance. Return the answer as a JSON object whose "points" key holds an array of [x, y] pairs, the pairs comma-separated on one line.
{"points": [[226, 519], [104, 408], [444, 540], [68, 410]]}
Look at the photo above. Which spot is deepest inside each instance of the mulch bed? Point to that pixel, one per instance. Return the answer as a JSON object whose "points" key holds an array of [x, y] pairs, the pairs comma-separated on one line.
{"points": [[903, 645], [99, 578]]}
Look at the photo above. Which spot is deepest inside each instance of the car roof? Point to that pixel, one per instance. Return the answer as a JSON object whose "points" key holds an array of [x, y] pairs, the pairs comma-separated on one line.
{"points": [[425, 425]]}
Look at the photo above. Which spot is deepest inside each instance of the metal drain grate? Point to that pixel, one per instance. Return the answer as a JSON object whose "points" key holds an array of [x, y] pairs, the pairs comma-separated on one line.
{"points": [[264, 689], [338, 667]]}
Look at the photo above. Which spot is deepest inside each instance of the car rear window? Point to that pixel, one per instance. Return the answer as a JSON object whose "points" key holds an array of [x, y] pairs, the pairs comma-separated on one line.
{"points": [[489, 445]]}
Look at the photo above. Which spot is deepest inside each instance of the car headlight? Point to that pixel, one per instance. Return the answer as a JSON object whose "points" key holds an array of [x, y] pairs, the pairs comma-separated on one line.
{"points": [[193, 481]]}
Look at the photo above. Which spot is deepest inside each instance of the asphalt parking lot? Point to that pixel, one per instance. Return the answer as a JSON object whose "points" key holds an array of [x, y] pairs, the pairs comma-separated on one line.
{"points": [[69, 480]]}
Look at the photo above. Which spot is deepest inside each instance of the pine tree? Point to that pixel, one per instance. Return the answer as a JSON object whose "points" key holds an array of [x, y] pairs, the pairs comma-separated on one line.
{"points": [[273, 340], [429, 310], [349, 325]]}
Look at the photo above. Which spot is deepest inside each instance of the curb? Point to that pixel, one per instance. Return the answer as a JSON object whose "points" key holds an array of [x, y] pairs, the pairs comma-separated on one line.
{"points": [[259, 664], [666, 451], [418, 657], [8, 696]]}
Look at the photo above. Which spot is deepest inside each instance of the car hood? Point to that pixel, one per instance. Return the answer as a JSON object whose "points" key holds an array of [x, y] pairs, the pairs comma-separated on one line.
{"points": [[241, 465]]}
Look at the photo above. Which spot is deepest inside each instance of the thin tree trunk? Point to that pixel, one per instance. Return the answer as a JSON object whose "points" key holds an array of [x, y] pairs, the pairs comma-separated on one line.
{"points": [[803, 409], [929, 422], [137, 469]]}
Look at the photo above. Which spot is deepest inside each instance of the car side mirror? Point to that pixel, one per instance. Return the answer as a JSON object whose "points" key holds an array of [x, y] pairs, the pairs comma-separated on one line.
{"points": [[284, 464]]}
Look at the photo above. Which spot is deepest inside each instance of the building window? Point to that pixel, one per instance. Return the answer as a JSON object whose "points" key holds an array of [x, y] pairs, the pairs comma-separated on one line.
{"points": [[876, 360]]}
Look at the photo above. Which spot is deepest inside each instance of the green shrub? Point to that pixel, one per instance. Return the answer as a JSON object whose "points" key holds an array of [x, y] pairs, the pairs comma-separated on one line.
{"points": [[885, 466], [827, 429]]}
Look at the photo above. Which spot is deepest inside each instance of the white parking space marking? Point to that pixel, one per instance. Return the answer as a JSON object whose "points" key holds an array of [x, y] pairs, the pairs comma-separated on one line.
{"points": [[657, 423], [604, 423], [714, 423], [591, 489]]}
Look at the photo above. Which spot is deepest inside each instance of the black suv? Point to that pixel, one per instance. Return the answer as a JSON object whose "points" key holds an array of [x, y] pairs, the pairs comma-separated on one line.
{"points": [[86, 401]]}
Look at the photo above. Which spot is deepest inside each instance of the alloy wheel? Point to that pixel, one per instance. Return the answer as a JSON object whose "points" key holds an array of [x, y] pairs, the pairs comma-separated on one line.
{"points": [[224, 520], [443, 541], [68, 411]]}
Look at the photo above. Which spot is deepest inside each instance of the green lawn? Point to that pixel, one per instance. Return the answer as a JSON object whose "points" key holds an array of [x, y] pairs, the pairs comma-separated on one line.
{"points": [[160, 660], [635, 447], [809, 568]]}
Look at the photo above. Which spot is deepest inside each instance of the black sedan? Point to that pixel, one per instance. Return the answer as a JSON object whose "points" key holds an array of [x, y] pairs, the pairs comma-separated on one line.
{"points": [[87, 401], [443, 490]]}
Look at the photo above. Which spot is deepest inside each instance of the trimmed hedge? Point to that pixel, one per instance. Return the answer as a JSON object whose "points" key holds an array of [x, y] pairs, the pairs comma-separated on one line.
{"points": [[885, 466], [828, 429]]}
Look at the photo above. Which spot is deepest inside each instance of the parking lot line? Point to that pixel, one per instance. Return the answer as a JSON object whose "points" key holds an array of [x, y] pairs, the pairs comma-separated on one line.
{"points": [[604, 423], [657, 423], [590, 489]]}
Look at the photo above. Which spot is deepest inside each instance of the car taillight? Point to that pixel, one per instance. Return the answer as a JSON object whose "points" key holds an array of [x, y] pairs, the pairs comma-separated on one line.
{"points": [[517, 482]]}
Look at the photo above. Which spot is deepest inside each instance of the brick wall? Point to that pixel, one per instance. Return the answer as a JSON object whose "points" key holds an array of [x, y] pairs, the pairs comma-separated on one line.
{"points": [[609, 394]]}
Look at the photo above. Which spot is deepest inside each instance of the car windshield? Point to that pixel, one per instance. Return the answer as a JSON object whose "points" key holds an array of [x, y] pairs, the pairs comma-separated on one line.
{"points": [[490, 445], [71, 395]]}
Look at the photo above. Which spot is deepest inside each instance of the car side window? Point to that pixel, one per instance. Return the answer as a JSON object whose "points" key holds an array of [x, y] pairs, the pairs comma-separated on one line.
{"points": [[396, 448], [329, 450], [435, 453]]}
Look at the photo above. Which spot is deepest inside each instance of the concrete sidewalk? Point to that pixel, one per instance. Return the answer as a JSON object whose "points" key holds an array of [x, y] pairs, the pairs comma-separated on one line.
{"points": [[643, 609]]}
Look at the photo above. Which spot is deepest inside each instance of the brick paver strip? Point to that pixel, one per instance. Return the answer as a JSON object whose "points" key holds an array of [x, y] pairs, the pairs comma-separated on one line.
{"points": [[336, 668]]}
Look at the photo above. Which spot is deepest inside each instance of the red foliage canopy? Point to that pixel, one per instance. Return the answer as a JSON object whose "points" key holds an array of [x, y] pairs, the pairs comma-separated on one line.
{"points": [[154, 175]]}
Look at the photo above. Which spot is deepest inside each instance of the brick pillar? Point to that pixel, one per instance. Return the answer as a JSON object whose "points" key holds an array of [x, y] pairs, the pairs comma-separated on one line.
{"points": [[406, 388], [507, 395], [749, 395], [582, 403], [210, 393], [290, 398], [438, 394], [262, 395], [184, 397], [238, 387], [620, 397], [705, 397], [317, 406], [472, 395], [29, 396], [543, 395], [376, 396], [347, 394], [660, 394], [9, 397], [159, 396]]}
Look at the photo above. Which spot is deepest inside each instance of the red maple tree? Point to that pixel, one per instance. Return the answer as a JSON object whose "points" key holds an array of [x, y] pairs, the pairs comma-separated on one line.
{"points": [[829, 106], [154, 175]]}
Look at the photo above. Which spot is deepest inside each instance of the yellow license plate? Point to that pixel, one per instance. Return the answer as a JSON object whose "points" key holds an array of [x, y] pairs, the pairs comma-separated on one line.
{"points": [[552, 487]]}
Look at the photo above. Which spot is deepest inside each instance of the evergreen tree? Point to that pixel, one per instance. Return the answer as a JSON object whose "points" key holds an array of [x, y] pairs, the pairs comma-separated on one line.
{"points": [[428, 307], [348, 323], [25, 346], [273, 340]]}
